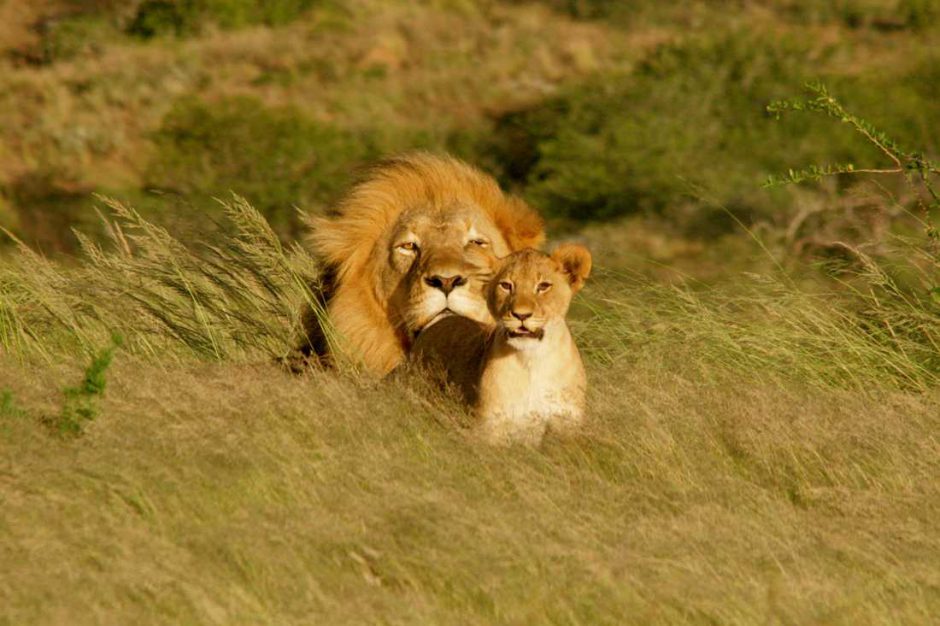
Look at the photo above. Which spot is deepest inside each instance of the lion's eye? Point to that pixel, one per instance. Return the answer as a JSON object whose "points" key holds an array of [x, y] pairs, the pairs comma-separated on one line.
{"points": [[505, 285], [543, 287], [480, 242], [408, 247]]}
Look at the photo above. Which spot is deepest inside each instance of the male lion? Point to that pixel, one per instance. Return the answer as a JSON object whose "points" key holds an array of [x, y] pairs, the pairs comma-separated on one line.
{"points": [[409, 245], [524, 374]]}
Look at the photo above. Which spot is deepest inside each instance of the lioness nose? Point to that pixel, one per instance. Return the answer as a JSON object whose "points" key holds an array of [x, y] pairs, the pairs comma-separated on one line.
{"points": [[522, 315], [445, 283]]}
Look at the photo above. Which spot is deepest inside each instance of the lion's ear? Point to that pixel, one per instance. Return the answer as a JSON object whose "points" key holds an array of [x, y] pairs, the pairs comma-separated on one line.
{"points": [[575, 261], [519, 224]]}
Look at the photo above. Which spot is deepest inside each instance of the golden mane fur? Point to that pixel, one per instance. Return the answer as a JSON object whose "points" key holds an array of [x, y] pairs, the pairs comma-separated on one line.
{"points": [[351, 243]]}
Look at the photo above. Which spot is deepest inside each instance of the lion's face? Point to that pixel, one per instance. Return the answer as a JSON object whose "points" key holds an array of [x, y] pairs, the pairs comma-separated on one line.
{"points": [[410, 243], [530, 292], [436, 263]]}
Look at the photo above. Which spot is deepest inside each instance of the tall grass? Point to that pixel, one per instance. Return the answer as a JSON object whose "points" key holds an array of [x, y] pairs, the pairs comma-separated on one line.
{"points": [[238, 299], [763, 329], [241, 299], [900, 292]]}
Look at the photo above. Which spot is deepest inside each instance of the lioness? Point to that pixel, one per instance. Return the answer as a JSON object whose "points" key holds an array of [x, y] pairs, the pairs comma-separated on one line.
{"points": [[524, 373], [412, 243]]}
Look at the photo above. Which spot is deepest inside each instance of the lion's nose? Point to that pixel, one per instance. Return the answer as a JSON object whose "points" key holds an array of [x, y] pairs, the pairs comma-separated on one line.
{"points": [[445, 283], [522, 315]]}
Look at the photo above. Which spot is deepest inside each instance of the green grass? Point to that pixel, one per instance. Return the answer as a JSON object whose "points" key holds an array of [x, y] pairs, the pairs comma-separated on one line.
{"points": [[81, 402]]}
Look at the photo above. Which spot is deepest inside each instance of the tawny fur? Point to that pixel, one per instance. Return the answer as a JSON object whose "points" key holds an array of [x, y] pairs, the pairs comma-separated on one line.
{"points": [[372, 291], [522, 376], [525, 392]]}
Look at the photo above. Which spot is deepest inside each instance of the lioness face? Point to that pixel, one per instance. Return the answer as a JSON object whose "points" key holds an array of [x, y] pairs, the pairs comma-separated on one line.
{"points": [[437, 264], [530, 292]]}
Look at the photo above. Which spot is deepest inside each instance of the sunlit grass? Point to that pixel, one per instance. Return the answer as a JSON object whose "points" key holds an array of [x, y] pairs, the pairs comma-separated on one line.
{"points": [[240, 298], [752, 453], [220, 493]]}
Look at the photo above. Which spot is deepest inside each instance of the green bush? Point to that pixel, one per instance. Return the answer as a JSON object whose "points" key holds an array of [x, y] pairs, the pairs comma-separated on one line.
{"points": [[276, 158], [186, 17], [877, 14], [686, 130], [80, 34], [80, 27], [900, 293], [160, 18]]}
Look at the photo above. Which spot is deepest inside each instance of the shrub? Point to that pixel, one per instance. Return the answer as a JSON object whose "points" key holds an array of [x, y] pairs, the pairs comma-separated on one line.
{"points": [[78, 27], [875, 14], [186, 17], [73, 36], [276, 158], [45, 205], [687, 122], [160, 18], [635, 142], [901, 295]]}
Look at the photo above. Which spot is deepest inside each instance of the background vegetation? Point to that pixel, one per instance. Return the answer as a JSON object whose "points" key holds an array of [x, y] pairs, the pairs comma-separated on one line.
{"points": [[764, 360]]}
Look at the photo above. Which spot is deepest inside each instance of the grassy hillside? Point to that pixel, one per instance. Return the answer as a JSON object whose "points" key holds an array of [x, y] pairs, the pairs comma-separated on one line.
{"points": [[761, 444], [754, 452], [223, 493]]}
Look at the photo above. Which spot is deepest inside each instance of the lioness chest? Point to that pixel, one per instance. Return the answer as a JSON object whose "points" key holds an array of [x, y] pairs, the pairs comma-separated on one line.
{"points": [[524, 391]]}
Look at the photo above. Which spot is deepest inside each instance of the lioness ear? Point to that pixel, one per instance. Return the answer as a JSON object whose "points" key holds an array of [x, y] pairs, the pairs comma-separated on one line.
{"points": [[575, 261]]}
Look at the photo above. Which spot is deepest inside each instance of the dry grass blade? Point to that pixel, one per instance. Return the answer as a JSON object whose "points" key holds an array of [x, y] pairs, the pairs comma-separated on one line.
{"points": [[240, 299]]}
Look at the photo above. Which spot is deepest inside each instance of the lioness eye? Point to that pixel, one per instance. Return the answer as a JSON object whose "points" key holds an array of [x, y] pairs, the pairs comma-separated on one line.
{"points": [[505, 285], [543, 287], [480, 242], [408, 246]]}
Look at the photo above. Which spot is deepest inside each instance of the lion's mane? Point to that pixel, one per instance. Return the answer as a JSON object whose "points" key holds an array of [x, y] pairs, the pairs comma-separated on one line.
{"points": [[345, 241]]}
